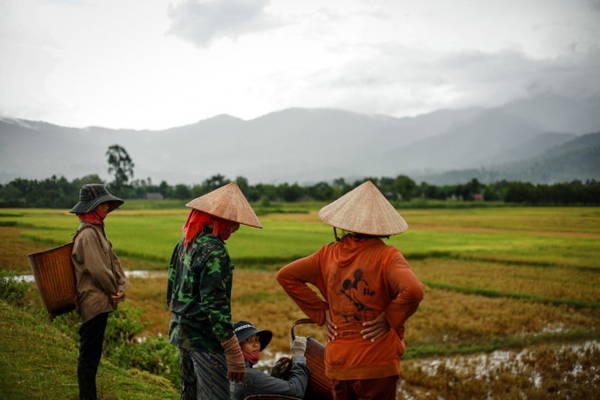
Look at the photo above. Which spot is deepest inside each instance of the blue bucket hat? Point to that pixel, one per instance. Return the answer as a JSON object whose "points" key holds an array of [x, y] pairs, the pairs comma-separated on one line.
{"points": [[244, 330]]}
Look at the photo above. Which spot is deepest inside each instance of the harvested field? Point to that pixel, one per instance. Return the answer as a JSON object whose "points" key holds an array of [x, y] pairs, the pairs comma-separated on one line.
{"points": [[544, 282], [511, 304]]}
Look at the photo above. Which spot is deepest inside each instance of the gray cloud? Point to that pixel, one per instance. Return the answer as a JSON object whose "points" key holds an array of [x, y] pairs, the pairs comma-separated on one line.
{"points": [[201, 22], [397, 79]]}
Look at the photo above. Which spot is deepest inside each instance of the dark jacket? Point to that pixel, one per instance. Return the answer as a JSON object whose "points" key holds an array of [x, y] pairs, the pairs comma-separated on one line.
{"points": [[199, 294], [258, 382]]}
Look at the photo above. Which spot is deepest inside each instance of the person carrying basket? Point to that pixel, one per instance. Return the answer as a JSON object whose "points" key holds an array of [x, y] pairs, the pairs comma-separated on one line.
{"points": [[100, 280]]}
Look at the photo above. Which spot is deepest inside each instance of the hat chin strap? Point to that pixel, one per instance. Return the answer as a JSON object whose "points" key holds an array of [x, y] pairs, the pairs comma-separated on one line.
{"points": [[335, 235]]}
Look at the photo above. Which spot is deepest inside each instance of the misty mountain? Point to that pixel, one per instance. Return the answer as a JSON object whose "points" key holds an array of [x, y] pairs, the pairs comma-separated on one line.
{"points": [[557, 113], [303, 145], [482, 140], [295, 144], [578, 158], [536, 146]]}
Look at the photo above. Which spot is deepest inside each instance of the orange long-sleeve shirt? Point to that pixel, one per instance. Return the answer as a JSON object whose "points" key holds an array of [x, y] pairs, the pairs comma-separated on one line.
{"points": [[359, 279]]}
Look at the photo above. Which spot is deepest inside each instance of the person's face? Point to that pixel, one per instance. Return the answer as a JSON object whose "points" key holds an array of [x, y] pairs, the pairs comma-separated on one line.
{"points": [[233, 227], [251, 344], [103, 208]]}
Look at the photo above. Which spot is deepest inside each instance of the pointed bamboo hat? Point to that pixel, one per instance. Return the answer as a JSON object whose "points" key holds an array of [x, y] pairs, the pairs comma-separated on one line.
{"points": [[227, 202], [364, 210]]}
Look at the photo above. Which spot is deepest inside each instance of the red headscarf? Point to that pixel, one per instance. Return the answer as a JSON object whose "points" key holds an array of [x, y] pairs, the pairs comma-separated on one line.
{"points": [[198, 219], [93, 217]]}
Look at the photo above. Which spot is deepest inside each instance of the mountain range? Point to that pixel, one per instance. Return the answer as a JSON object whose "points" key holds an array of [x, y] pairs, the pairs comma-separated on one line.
{"points": [[541, 139]]}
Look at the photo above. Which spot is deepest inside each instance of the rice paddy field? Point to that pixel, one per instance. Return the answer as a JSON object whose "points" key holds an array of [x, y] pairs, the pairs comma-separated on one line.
{"points": [[512, 301]]}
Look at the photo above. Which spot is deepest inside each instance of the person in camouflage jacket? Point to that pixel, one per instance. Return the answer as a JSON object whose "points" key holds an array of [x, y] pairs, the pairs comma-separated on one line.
{"points": [[199, 295]]}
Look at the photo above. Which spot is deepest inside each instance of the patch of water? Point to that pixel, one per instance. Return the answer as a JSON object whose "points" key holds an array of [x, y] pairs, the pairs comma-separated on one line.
{"points": [[486, 365], [134, 273]]}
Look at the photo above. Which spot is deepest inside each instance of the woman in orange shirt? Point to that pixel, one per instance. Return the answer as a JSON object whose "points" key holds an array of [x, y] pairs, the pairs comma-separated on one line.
{"points": [[369, 291]]}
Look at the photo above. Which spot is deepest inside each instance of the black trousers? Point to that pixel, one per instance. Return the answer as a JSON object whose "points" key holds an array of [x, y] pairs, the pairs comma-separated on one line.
{"points": [[90, 350]]}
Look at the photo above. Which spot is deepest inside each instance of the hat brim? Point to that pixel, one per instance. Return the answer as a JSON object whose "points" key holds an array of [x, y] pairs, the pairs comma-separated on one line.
{"points": [[364, 210], [227, 202], [84, 207], [264, 337]]}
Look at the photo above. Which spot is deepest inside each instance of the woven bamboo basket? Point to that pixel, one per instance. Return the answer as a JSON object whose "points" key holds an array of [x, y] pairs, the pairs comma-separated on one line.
{"points": [[319, 386], [55, 278]]}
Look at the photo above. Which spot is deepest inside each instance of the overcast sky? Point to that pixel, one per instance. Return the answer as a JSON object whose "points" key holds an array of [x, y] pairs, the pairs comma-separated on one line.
{"points": [[159, 63]]}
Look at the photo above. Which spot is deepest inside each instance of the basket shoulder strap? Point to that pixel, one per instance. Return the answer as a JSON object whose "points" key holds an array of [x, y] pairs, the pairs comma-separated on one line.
{"points": [[83, 229]]}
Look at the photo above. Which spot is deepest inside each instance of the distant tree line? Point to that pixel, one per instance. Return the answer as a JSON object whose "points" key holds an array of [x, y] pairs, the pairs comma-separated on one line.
{"points": [[58, 192]]}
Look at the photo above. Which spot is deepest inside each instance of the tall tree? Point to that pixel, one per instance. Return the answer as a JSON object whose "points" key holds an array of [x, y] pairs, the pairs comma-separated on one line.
{"points": [[214, 182], [119, 164], [404, 187]]}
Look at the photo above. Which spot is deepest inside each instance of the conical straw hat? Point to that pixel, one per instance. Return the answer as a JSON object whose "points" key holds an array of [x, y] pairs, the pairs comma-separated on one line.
{"points": [[364, 210], [227, 202]]}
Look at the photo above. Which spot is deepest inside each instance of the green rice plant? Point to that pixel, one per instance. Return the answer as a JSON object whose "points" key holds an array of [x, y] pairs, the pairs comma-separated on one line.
{"points": [[566, 237]]}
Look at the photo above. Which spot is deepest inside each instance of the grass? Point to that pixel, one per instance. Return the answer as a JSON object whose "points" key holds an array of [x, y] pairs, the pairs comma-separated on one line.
{"points": [[37, 361], [566, 237], [523, 296], [499, 278], [445, 319], [500, 342], [14, 249], [553, 285]]}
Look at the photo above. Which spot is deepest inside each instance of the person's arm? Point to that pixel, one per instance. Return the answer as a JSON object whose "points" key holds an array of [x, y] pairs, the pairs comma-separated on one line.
{"points": [[294, 278], [88, 252], [213, 294], [215, 301], [119, 274], [171, 274], [407, 293], [120, 277]]}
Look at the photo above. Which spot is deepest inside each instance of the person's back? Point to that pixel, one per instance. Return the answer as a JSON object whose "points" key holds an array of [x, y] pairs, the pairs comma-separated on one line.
{"points": [[359, 278], [369, 291], [363, 276]]}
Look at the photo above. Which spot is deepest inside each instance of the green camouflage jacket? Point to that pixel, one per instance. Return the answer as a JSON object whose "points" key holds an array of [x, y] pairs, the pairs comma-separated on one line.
{"points": [[199, 294]]}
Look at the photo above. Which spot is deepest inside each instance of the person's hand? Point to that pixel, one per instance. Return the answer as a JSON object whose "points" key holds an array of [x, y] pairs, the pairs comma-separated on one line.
{"points": [[236, 367], [299, 346], [375, 328], [331, 327], [117, 298]]}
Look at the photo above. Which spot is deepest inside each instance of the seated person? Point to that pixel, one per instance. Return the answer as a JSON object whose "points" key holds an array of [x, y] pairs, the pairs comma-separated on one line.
{"points": [[252, 342]]}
